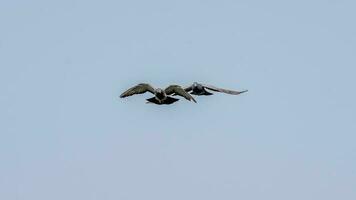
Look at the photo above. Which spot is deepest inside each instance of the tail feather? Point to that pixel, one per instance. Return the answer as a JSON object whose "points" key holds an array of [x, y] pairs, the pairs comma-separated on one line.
{"points": [[167, 101], [170, 100]]}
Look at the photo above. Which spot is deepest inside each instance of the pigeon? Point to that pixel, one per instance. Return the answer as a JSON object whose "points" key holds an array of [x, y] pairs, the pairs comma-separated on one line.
{"points": [[161, 96], [200, 89]]}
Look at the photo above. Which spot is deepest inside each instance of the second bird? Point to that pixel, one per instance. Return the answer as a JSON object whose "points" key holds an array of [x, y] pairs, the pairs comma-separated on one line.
{"points": [[201, 89]]}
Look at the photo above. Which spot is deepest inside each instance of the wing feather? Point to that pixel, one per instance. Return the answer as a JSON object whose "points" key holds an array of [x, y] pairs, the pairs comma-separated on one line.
{"points": [[216, 89], [138, 89]]}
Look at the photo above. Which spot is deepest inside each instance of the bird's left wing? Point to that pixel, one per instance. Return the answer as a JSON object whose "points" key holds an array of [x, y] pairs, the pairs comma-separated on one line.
{"points": [[178, 90], [138, 89]]}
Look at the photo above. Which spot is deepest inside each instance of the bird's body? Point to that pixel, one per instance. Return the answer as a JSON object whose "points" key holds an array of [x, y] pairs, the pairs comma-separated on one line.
{"points": [[198, 89], [160, 96]]}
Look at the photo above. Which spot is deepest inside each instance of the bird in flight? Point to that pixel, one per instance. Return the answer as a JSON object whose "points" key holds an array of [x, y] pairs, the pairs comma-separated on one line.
{"points": [[201, 89], [160, 96]]}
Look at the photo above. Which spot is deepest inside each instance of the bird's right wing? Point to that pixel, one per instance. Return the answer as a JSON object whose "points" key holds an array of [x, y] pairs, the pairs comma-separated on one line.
{"points": [[216, 89], [178, 90], [138, 89], [187, 89]]}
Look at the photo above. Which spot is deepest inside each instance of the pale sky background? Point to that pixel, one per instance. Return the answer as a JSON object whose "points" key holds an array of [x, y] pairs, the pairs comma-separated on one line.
{"points": [[65, 134]]}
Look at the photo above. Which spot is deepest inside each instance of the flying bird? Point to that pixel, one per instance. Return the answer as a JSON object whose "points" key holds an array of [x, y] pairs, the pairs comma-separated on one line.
{"points": [[160, 96], [201, 89]]}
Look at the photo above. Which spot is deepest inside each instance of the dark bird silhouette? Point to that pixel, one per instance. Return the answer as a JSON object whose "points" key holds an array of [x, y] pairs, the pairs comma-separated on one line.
{"points": [[161, 96], [201, 89]]}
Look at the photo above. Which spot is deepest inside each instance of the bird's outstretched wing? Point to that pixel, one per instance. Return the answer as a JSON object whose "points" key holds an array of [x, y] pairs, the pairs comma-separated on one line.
{"points": [[216, 89], [178, 90], [138, 89], [187, 89]]}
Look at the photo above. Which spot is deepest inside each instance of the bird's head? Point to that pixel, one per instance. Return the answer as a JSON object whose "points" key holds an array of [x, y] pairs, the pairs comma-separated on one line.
{"points": [[198, 86], [159, 91]]}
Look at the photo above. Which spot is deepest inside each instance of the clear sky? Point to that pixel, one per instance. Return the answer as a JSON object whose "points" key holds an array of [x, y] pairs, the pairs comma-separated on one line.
{"points": [[65, 134]]}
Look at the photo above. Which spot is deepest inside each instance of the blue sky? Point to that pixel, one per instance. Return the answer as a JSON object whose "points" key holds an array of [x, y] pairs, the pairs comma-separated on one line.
{"points": [[65, 134]]}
